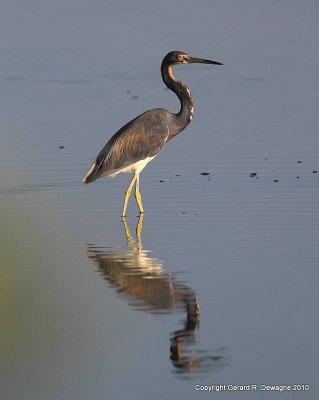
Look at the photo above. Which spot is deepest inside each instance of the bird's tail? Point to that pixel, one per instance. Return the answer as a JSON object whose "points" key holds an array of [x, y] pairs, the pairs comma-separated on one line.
{"points": [[91, 174]]}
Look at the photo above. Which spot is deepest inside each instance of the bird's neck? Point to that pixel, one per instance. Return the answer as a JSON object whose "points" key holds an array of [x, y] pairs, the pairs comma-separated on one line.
{"points": [[184, 94]]}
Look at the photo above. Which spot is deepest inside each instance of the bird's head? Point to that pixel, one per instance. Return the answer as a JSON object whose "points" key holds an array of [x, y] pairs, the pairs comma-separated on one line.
{"points": [[179, 57]]}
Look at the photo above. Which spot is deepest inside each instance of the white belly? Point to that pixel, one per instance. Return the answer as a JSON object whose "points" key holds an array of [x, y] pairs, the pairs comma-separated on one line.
{"points": [[136, 167]]}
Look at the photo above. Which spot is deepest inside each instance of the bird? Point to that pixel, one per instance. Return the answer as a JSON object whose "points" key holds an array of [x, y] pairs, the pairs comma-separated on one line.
{"points": [[133, 146]]}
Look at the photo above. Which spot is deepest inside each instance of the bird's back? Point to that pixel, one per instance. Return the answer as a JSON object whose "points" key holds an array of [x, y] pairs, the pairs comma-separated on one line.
{"points": [[139, 139]]}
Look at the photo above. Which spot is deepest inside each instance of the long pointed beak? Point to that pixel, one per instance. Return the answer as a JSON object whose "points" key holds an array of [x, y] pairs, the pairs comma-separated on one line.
{"points": [[195, 60]]}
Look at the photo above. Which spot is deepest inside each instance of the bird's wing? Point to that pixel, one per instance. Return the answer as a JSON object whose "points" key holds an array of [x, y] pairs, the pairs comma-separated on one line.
{"points": [[142, 137]]}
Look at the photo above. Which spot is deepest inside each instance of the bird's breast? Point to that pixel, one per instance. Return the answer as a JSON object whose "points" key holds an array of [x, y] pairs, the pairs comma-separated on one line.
{"points": [[136, 167]]}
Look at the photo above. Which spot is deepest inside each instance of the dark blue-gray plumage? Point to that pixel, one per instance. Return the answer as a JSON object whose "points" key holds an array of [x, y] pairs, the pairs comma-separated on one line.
{"points": [[139, 141]]}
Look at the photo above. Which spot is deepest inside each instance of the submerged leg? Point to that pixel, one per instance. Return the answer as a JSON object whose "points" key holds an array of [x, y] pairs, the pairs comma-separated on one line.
{"points": [[139, 228], [127, 195], [129, 237], [138, 194]]}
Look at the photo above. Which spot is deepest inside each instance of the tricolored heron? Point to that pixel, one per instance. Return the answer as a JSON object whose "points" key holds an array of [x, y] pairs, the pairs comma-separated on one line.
{"points": [[139, 141]]}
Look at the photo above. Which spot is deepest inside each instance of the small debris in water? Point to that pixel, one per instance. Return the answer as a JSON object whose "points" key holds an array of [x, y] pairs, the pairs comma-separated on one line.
{"points": [[183, 212], [170, 178], [195, 214], [276, 180], [297, 177], [204, 173], [61, 147], [161, 180], [134, 97], [314, 172], [253, 174], [266, 159], [177, 174], [299, 162]]}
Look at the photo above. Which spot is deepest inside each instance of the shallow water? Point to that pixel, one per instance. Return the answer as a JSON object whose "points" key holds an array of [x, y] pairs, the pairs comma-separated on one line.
{"points": [[218, 283]]}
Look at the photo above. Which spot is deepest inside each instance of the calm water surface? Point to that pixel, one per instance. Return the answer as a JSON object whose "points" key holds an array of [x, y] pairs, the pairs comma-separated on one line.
{"points": [[218, 282]]}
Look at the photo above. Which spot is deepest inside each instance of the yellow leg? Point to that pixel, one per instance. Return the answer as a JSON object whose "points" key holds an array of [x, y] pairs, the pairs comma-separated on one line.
{"points": [[127, 195], [138, 194]]}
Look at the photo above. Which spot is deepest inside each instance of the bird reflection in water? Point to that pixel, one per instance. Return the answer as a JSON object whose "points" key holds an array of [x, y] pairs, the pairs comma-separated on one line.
{"points": [[144, 282]]}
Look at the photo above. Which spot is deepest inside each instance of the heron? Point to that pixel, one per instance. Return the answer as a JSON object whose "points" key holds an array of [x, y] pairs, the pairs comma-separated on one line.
{"points": [[133, 146]]}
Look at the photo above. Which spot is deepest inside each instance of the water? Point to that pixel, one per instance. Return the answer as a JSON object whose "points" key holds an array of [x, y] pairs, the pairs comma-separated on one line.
{"points": [[217, 284]]}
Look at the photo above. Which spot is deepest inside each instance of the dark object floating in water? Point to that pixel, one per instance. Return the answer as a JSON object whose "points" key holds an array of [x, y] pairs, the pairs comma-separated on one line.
{"points": [[204, 173], [253, 174], [61, 147], [177, 174], [297, 177], [276, 180], [183, 212], [134, 97], [161, 180], [299, 162], [266, 159], [314, 172]]}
